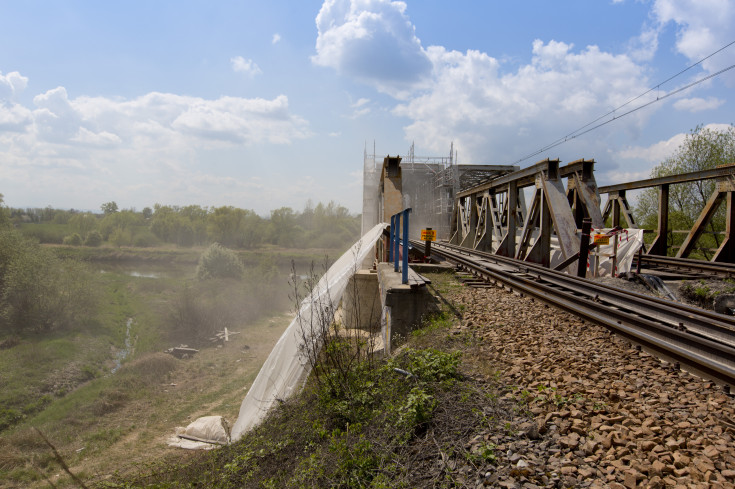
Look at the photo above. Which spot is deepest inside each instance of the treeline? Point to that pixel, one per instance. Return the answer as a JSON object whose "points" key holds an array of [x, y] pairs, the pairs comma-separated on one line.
{"points": [[321, 226]]}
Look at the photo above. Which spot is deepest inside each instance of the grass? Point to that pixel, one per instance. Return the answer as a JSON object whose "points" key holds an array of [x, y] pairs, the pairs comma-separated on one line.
{"points": [[704, 294], [61, 382], [376, 427]]}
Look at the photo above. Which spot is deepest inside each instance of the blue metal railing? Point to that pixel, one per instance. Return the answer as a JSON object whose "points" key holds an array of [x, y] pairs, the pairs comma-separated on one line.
{"points": [[395, 243]]}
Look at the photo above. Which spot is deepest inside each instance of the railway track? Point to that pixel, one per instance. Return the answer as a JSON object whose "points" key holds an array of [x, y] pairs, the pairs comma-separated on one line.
{"points": [[686, 267], [701, 341]]}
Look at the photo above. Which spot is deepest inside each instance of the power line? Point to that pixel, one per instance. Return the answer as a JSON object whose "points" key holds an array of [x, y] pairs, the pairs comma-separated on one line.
{"points": [[576, 133]]}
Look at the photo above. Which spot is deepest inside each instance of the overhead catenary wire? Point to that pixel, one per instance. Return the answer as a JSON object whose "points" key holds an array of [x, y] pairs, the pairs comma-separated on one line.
{"points": [[586, 128]]}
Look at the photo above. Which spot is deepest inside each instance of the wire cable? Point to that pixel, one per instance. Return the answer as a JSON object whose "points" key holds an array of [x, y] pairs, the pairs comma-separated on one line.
{"points": [[576, 133]]}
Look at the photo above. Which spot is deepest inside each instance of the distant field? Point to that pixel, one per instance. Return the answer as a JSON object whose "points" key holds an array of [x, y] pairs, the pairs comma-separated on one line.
{"points": [[63, 382]]}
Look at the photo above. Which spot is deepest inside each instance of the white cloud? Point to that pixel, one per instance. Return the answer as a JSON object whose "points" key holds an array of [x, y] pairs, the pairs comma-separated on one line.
{"points": [[372, 41], [246, 66], [11, 85], [654, 153], [697, 104], [14, 117], [360, 107], [101, 148], [470, 97], [657, 152], [276, 38], [360, 103], [644, 47], [703, 27], [482, 109]]}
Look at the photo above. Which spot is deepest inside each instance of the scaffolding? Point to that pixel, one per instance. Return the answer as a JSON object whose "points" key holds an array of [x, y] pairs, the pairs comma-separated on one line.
{"points": [[429, 186]]}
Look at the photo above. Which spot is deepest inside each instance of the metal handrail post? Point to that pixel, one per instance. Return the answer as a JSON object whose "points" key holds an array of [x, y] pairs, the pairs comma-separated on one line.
{"points": [[404, 265], [397, 242], [390, 241]]}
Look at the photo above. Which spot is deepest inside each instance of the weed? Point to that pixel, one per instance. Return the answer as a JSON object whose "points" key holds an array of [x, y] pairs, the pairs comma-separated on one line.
{"points": [[485, 452]]}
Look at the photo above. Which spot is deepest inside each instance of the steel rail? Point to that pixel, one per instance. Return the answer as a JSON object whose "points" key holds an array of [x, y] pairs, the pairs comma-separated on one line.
{"points": [[724, 270], [676, 332], [715, 326]]}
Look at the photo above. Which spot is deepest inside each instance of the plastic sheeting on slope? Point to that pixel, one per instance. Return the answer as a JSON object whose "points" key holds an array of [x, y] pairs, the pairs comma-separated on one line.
{"points": [[285, 369], [203, 433]]}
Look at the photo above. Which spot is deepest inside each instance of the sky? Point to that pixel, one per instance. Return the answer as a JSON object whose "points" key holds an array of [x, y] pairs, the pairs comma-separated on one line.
{"points": [[261, 105]]}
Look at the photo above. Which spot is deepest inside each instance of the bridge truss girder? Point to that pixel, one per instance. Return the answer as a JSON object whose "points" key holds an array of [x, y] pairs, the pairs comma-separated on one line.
{"points": [[618, 205], [484, 219]]}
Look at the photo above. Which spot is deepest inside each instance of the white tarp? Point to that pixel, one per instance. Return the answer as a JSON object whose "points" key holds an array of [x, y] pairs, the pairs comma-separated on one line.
{"points": [[629, 242], [285, 370], [203, 433]]}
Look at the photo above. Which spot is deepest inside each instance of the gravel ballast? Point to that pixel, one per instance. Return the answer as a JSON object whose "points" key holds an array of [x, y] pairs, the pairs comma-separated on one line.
{"points": [[593, 411]]}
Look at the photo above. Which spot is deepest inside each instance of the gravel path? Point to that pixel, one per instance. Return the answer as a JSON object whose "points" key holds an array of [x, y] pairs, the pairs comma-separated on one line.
{"points": [[593, 411]]}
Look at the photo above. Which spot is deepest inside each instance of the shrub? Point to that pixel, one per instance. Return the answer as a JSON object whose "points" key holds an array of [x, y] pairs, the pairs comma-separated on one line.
{"points": [[219, 262], [39, 291], [94, 238], [73, 240], [145, 239]]}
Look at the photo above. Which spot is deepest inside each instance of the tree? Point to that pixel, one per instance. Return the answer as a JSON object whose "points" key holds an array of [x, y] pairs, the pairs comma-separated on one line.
{"points": [[109, 207], [284, 228], [704, 148], [83, 223], [4, 214], [219, 262], [40, 292], [234, 227]]}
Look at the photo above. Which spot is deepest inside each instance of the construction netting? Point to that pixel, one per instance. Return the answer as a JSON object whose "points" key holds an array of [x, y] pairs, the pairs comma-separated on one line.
{"points": [[285, 370]]}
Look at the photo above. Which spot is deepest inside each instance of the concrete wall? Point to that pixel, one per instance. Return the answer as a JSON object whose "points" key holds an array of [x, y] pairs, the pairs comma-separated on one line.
{"points": [[361, 302]]}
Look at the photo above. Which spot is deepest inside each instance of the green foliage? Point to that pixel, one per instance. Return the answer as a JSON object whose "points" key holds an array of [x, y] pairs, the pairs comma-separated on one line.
{"points": [[145, 239], [93, 239], [417, 408], [485, 452], [703, 295], [183, 226], [45, 232], [83, 223], [121, 226], [323, 226], [431, 365], [702, 149], [219, 262], [284, 230], [4, 214], [233, 227], [109, 207], [307, 442], [73, 240], [41, 292]]}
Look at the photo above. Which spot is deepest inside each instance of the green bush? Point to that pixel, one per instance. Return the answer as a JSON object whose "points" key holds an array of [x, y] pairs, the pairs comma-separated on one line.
{"points": [[39, 291], [145, 239], [94, 238], [73, 240], [219, 262]]}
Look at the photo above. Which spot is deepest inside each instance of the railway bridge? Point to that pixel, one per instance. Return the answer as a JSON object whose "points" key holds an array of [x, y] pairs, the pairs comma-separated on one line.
{"points": [[529, 231]]}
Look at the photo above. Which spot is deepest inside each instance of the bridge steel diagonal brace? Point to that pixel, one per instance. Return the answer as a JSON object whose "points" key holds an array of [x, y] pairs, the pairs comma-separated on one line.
{"points": [[481, 226], [582, 193], [724, 189]]}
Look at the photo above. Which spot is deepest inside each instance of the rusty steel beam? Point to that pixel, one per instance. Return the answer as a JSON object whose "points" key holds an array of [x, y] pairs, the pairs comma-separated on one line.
{"points": [[722, 171], [522, 178]]}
